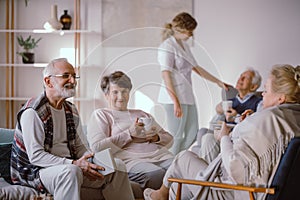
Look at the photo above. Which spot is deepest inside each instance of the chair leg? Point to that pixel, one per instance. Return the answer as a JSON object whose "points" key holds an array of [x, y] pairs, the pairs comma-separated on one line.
{"points": [[251, 196], [178, 196]]}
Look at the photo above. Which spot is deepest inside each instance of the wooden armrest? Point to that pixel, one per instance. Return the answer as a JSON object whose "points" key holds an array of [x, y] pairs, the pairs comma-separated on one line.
{"points": [[220, 185]]}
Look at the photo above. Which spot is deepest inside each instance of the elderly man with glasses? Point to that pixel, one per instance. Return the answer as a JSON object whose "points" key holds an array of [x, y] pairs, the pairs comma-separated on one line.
{"points": [[49, 151]]}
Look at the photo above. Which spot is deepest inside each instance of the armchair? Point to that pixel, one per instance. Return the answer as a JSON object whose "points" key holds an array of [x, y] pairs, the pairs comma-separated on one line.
{"points": [[284, 184]]}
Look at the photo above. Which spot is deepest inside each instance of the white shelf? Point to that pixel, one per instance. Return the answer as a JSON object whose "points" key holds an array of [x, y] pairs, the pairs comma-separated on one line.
{"points": [[80, 99], [43, 31], [26, 98], [23, 65], [41, 65], [14, 98]]}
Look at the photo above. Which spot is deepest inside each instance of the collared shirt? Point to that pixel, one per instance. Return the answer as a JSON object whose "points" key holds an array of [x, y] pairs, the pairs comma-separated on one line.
{"points": [[244, 101], [172, 57], [246, 98]]}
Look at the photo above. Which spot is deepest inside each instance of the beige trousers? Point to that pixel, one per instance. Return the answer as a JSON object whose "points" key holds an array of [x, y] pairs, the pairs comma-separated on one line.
{"points": [[185, 165], [65, 182]]}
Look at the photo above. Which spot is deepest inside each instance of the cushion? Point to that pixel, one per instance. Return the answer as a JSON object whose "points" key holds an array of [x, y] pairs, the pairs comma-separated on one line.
{"points": [[286, 178], [6, 135], [229, 94], [16, 192], [5, 151], [6, 138], [232, 92]]}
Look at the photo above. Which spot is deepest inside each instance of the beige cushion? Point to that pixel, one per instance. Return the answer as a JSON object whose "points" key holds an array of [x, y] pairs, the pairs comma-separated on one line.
{"points": [[15, 192]]}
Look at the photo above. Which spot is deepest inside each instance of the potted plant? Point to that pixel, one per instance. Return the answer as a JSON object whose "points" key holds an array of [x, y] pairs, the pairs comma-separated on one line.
{"points": [[28, 45]]}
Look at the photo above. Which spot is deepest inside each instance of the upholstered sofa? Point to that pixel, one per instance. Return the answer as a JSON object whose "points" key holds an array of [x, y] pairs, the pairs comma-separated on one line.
{"points": [[8, 191], [17, 192]]}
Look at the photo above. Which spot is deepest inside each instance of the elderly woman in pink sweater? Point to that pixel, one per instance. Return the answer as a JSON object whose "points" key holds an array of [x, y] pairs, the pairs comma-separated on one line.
{"points": [[144, 150]]}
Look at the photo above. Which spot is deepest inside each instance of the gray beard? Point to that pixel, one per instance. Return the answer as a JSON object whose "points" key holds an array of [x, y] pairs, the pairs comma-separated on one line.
{"points": [[65, 92]]}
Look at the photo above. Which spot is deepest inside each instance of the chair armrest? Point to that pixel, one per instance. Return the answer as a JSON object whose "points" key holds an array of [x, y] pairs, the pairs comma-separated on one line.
{"points": [[220, 185]]}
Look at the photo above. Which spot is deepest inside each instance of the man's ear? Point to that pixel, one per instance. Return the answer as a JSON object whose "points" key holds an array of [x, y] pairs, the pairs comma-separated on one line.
{"points": [[253, 87], [48, 82]]}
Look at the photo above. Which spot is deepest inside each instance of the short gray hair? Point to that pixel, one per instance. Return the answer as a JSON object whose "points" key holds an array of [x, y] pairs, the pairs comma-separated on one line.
{"points": [[49, 69], [256, 80]]}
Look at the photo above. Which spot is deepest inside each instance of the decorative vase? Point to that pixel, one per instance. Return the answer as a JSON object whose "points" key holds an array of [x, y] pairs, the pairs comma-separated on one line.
{"points": [[28, 58], [53, 23], [66, 20]]}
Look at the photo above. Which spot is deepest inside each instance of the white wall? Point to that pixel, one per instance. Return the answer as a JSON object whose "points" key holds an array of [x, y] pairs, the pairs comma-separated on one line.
{"points": [[240, 33]]}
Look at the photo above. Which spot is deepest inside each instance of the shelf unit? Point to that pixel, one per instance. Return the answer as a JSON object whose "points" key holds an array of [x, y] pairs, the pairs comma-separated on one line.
{"points": [[15, 86]]}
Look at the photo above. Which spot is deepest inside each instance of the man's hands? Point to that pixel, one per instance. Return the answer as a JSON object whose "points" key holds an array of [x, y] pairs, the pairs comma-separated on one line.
{"points": [[231, 114], [89, 169], [245, 114]]}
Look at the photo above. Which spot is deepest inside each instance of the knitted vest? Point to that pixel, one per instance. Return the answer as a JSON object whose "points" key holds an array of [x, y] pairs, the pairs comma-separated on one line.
{"points": [[22, 171], [251, 103]]}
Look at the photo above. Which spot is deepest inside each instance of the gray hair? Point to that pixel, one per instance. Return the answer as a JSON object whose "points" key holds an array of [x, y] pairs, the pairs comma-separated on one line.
{"points": [[256, 80], [119, 78], [49, 69]]}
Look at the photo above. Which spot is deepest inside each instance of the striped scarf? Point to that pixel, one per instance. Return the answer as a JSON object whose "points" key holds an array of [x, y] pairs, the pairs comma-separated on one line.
{"points": [[22, 171]]}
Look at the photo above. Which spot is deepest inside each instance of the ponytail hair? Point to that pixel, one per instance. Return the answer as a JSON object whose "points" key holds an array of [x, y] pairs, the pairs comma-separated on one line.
{"points": [[167, 32], [182, 21]]}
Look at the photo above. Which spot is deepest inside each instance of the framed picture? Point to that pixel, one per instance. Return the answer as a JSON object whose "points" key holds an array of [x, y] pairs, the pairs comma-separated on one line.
{"points": [[138, 22]]}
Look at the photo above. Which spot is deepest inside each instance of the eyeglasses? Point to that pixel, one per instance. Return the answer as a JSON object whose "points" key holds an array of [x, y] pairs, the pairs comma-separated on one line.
{"points": [[65, 76]]}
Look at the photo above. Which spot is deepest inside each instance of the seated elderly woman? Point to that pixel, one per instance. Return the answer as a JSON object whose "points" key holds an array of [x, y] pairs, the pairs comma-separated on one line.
{"points": [[250, 154], [144, 150]]}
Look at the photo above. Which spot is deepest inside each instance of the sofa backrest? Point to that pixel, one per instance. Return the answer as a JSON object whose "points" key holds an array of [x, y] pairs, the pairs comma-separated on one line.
{"points": [[6, 135], [287, 176], [232, 92], [6, 139]]}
